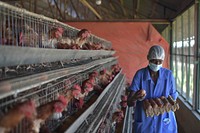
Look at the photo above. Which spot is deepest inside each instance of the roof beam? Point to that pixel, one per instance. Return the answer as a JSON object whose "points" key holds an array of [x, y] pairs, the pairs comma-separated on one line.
{"points": [[84, 2], [153, 21], [166, 6]]}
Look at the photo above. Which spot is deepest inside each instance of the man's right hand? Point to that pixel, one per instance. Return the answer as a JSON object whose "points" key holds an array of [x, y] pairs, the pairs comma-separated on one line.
{"points": [[134, 96]]}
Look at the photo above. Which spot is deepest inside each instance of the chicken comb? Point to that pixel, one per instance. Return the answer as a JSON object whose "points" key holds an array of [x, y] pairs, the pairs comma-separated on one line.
{"points": [[62, 99], [75, 93], [61, 30], [28, 108], [77, 87], [58, 107]]}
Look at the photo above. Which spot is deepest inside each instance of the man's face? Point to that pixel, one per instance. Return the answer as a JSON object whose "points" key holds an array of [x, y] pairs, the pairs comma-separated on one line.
{"points": [[156, 61]]}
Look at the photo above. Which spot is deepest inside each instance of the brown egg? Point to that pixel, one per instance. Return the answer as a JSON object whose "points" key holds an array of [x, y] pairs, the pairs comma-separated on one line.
{"points": [[143, 92]]}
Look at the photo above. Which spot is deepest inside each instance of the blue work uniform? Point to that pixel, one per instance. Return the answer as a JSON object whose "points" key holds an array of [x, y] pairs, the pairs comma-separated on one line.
{"points": [[165, 86]]}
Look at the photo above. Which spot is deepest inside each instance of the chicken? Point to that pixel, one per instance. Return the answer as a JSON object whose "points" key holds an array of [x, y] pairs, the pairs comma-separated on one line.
{"points": [[52, 39], [46, 110], [82, 37], [65, 43], [14, 116], [79, 96], [29, 37], [104, 79], [117, 116], [124, 98], [114, 71], [88, 46], [123, 104], [77, 92], [8, 36], [88, 85], [47, 42], [97, 46]]}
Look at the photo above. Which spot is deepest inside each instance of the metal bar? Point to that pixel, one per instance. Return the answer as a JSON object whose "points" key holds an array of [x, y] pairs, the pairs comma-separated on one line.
{"points": [[13, 56], [114, 101], [171, 45], [196, 97], [28, 82], [74, 8], [50, 8], [84, 2], [188, 63], [153, 21], [58, 9], [84, 115], [38, 17], [182, 71], [176, 33], [168, 6]]}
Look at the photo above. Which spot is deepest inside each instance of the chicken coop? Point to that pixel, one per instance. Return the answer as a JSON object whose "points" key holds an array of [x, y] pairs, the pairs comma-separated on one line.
{"points": [[66, 66]]}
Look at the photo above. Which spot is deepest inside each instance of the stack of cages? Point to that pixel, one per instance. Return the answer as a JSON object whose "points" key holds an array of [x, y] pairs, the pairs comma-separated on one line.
{"points": [[36, 71]]}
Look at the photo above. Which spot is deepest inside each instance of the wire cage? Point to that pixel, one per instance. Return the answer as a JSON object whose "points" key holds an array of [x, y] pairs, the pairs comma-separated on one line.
{"points": [[103, 105], [20, 27], [29, 38], [45, 93]]}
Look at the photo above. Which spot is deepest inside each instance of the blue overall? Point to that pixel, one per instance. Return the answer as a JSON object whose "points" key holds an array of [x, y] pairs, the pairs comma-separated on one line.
{"points": [[165, 86]]}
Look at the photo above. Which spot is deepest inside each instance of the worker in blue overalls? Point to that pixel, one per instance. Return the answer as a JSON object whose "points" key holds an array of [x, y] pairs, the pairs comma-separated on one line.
{"points": [[156, 82]]}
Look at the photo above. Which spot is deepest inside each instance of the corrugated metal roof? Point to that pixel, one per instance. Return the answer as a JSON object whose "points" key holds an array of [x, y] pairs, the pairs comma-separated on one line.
{"points": [[109, 10]]}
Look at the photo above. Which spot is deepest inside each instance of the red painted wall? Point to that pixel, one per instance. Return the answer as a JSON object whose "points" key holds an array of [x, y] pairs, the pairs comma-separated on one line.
{"points": [[130, 40]]}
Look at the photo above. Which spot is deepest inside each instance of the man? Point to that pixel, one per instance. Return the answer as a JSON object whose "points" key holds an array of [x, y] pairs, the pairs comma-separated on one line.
{"points": [[156, 81]]}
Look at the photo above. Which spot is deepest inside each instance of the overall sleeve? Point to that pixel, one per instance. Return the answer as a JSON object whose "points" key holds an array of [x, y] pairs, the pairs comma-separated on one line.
{"points": [[135, 82], [173, 91]]}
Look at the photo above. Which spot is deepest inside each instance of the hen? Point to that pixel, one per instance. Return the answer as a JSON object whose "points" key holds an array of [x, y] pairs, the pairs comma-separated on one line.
{"points": [[13, 117], [82, 37], [104, 78], [78, 95], [46, 110]]}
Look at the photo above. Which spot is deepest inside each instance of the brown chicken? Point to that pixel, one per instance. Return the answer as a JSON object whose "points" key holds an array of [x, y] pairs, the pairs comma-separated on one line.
{"points": [[117, 116], [104, 79], [88, 85], [14, 116], [82, 37], [46, 110], [78, 95]]}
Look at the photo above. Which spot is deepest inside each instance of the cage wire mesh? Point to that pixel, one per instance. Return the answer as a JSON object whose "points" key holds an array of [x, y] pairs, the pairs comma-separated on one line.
{"points": [[46, 93], [20, 27]]}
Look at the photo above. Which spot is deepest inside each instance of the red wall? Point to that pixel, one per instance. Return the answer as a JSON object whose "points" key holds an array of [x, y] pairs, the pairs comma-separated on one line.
{"points": [[130, 40]]}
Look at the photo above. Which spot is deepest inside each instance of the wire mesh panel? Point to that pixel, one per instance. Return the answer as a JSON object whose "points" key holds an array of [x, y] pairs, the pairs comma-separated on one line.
{"points": [[44, 94], [100, 110], [19, 27], [24, 29]]}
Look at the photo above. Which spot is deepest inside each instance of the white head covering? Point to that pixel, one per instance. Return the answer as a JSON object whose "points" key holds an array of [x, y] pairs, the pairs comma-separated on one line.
{"points": [[156, 52]]}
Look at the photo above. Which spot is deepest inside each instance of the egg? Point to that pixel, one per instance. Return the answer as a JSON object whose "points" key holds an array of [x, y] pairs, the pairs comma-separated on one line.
{"points": [[143, 92]]}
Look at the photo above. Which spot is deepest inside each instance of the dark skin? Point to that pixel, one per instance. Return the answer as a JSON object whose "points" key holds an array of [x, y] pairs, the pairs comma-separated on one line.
{"points": [[154, 75], [134, 96]]}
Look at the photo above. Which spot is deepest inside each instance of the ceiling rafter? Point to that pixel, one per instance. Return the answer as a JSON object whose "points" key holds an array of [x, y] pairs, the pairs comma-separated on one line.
{"points": [[168, 6], [108, 10], [84, 2], [59, 9]]}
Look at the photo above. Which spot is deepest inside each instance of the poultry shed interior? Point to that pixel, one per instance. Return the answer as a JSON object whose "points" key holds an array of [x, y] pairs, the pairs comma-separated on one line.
{"points": [[67, 66]]}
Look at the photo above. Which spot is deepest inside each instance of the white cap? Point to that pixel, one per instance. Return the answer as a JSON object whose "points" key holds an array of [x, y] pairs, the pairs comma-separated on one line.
{"points": [[156, 52]]}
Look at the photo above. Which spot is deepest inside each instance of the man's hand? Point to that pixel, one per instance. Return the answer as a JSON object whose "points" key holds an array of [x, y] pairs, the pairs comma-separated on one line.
{"points": [[134, 96], [140, 95]]}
